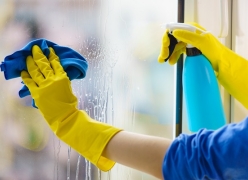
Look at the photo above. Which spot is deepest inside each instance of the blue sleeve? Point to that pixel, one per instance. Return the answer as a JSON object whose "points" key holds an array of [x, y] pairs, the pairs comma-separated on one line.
{"points": [[219, 154]]}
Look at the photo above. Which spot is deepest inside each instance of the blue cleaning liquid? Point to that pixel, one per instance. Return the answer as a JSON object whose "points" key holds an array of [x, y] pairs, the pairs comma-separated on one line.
{"points": [[201, 93]]}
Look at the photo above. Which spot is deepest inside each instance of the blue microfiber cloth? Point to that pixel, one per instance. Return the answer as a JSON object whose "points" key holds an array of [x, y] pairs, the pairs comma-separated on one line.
{"points": [[73, 63]]}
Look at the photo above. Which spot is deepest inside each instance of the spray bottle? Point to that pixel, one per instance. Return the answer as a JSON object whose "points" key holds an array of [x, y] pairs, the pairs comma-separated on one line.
{"points": [[200, 88]]}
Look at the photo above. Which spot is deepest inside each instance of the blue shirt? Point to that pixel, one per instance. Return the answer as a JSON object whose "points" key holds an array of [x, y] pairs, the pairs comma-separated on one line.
{"points": [[215, 155]]}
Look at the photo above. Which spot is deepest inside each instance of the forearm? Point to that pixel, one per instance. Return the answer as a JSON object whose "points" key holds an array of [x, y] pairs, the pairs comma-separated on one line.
{"points": [[141, 152]]}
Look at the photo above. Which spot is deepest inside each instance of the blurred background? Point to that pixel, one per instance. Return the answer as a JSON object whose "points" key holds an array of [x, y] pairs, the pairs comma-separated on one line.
{"points": [[124, 86]]}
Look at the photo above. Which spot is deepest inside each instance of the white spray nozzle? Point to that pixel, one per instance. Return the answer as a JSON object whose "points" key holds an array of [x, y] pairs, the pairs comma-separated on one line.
{"points": [[189, 27], [173, 26]]}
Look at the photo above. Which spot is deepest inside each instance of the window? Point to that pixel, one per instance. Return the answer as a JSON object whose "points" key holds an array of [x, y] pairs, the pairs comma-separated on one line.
{"points": [[125, 85]]}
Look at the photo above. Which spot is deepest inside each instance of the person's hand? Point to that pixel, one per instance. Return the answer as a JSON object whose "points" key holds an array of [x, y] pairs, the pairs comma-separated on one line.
{"points": [[202, 40], [51, 90], [49, 86], [207, 43]]}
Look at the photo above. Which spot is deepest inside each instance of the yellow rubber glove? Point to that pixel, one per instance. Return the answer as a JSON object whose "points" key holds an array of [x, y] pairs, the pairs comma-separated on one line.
{"points": [[231, 69], [165, 51], [51, 89]]}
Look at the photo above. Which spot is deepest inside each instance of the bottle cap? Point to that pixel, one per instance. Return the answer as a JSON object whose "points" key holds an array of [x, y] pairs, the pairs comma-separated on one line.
{"points": [[193, 51]]}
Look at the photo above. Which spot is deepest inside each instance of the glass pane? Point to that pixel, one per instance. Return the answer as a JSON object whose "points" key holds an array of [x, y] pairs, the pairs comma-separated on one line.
{"points": [[125, 85]]}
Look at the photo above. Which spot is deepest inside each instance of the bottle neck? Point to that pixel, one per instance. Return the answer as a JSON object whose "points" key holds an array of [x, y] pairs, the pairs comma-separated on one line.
{"points": [[192, 51]]}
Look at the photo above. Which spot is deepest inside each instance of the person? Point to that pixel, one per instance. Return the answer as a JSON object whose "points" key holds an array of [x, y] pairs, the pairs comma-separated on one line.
{"points": [[207, 154]]}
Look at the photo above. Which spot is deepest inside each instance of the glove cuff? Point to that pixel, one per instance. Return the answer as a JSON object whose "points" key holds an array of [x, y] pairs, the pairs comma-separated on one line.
{"points": [[88, 137], [233, 75]]}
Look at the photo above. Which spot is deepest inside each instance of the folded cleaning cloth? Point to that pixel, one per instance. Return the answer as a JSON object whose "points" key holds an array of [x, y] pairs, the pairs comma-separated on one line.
{"points": [[74, 64]]}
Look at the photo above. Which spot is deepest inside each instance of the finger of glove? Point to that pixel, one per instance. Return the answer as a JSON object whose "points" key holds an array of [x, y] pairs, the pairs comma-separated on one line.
{"points": [[28, 81], [166, 39], [42, 62], [174, 57], [34, 71], [179, 49], [164, 52], [189, 37], [55, 62]]}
